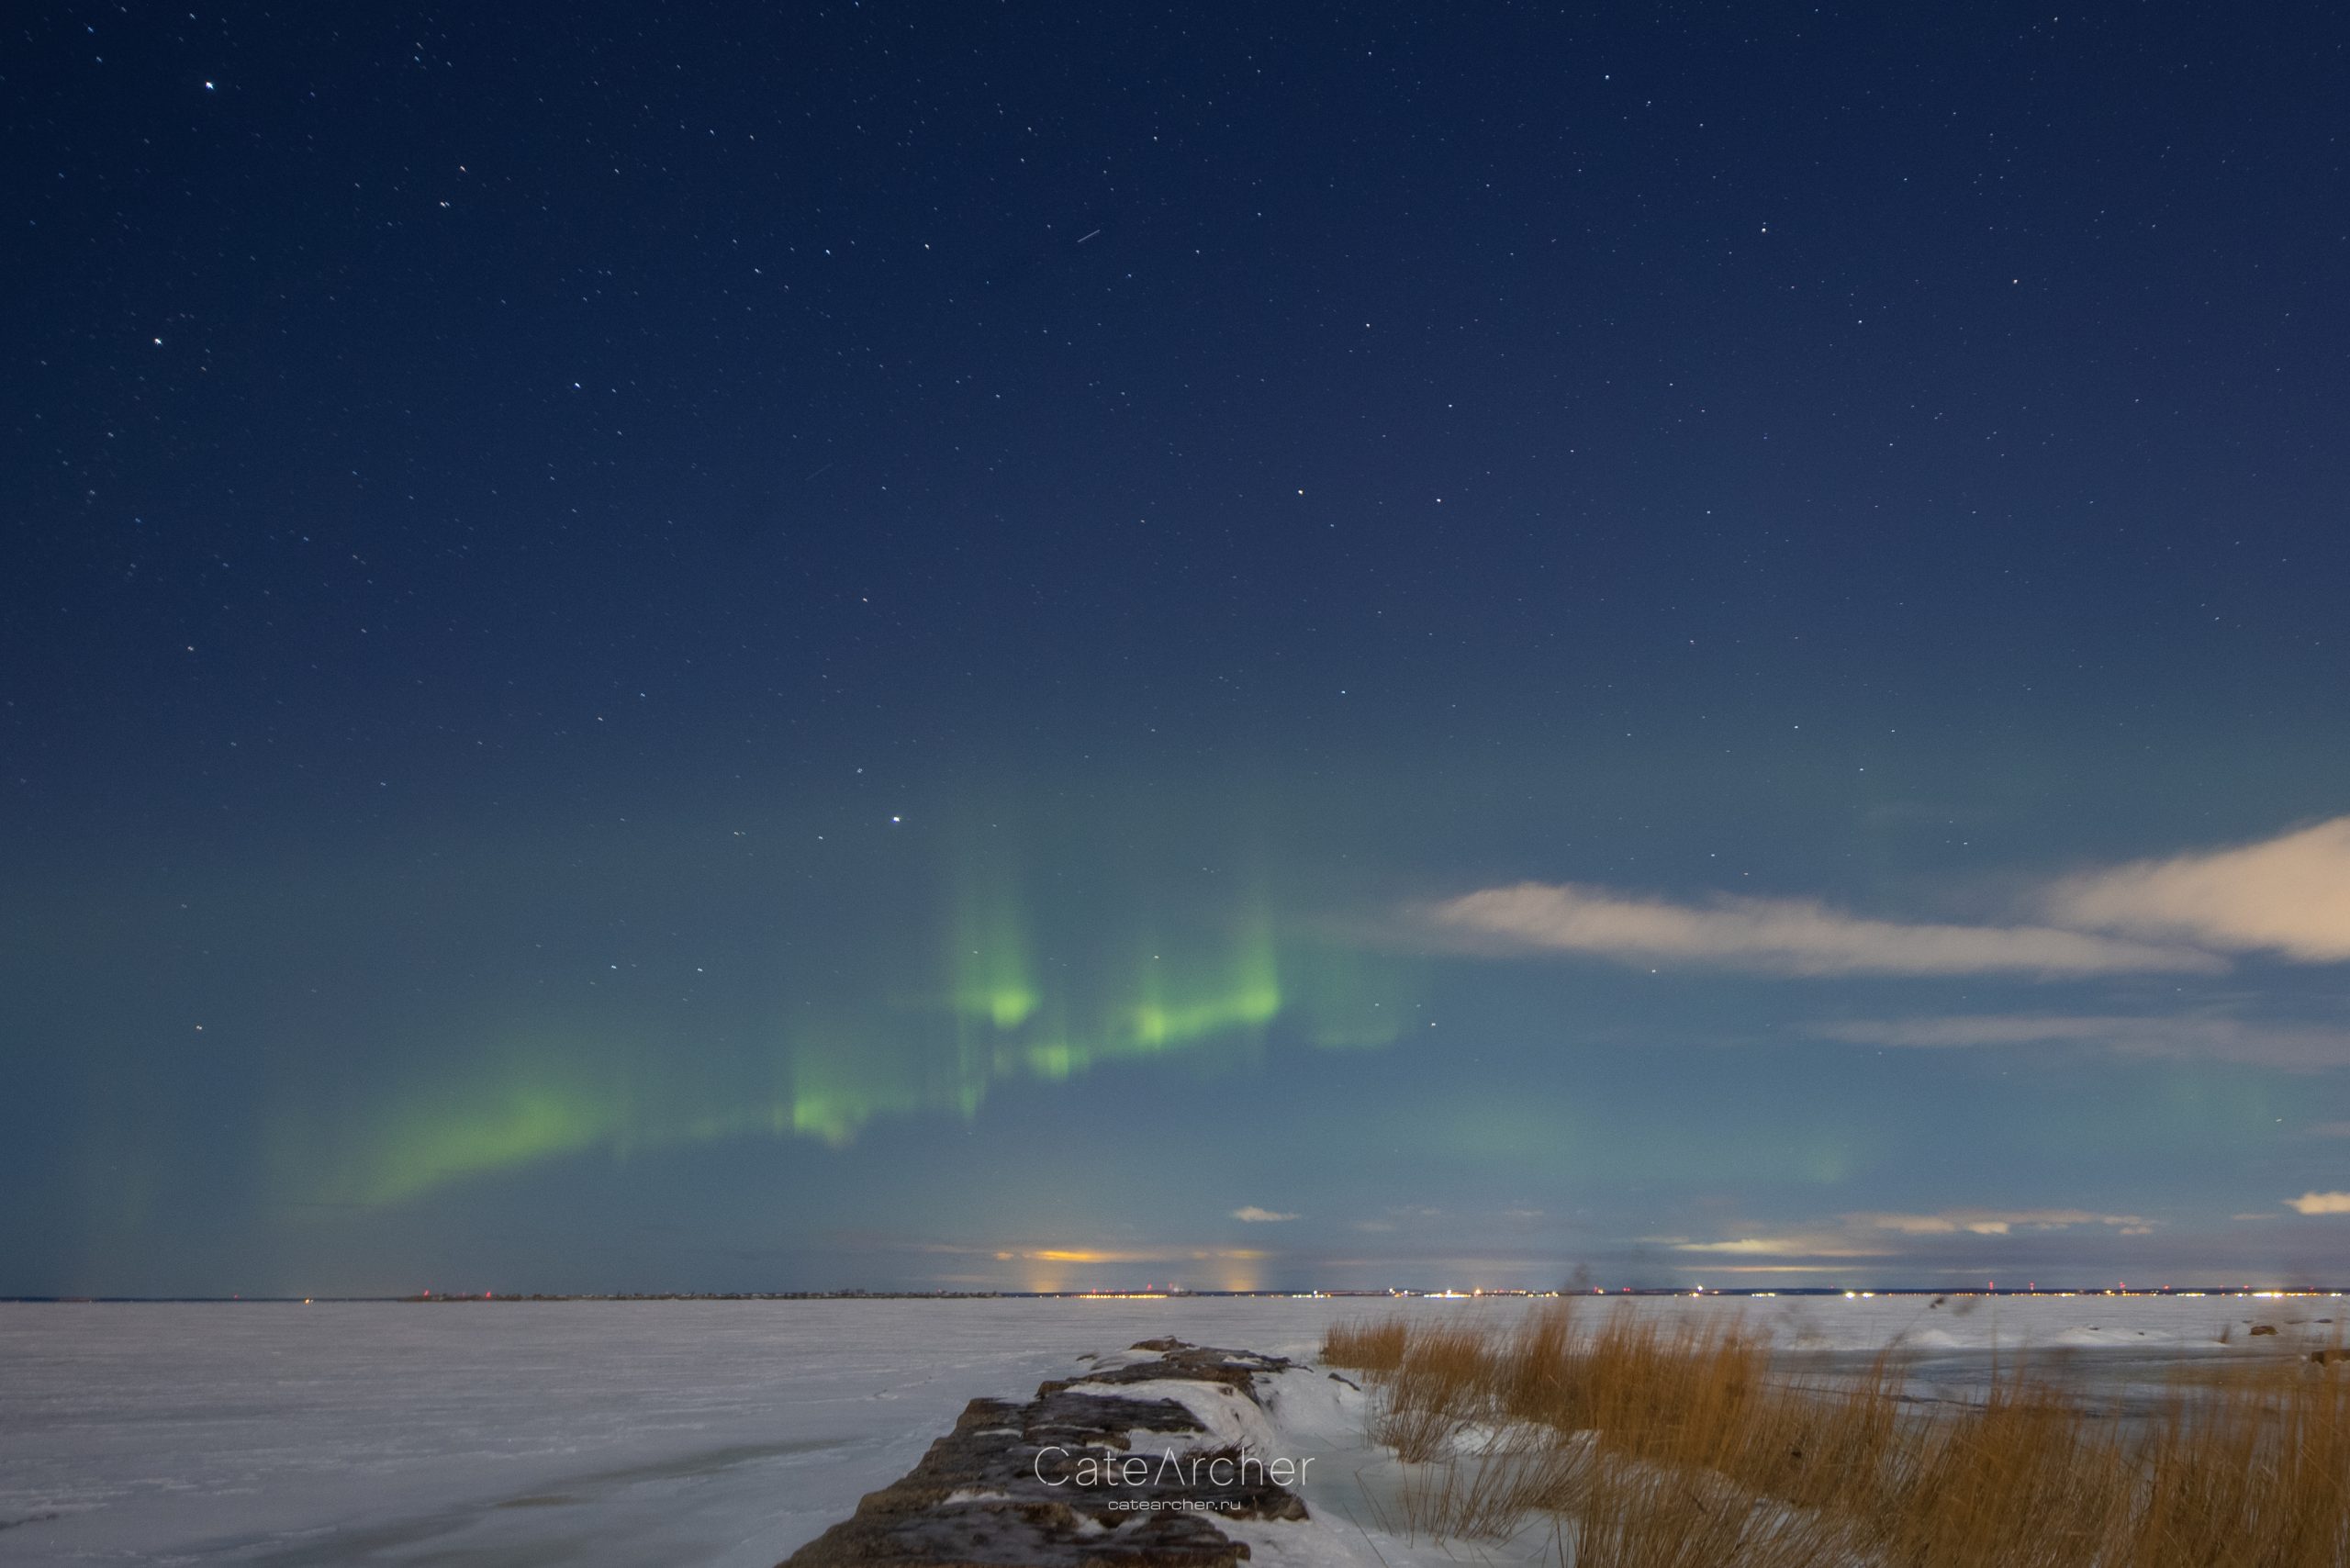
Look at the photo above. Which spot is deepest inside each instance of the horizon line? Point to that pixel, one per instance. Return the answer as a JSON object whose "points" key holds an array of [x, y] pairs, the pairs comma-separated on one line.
{"points": [[427, 1298]]}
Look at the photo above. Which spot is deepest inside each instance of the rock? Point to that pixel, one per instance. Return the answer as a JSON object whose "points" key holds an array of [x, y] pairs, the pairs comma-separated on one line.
{"points": [[1194, 1363], [1023, 1486]]}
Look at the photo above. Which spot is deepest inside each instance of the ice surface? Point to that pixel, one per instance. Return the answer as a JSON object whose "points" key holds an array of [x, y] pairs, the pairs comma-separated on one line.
{"points": [[728, 1433]]}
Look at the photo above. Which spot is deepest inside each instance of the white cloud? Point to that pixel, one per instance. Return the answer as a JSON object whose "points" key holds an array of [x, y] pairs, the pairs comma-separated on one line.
{"points": [[1255, 1216], [1884, 1235], [1996, 1222], [1801, 1244], [2288, 894], [2320, 1203], [1795, 936], [2291, 1048]]}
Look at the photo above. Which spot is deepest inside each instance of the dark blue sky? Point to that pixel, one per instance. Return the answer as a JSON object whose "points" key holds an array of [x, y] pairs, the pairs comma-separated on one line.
{"points": [[966, 644]]}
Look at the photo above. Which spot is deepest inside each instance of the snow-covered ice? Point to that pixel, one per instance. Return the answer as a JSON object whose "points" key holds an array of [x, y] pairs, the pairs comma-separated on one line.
{"points": [[728, 1433]]}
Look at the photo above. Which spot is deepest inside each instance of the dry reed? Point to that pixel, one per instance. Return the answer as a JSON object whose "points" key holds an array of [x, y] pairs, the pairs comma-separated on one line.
{"points": [[1365, 1347], [1682, 1445]]}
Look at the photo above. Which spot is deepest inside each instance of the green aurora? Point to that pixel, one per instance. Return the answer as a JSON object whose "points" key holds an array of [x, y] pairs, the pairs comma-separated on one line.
{"points": [[1002, 988]]}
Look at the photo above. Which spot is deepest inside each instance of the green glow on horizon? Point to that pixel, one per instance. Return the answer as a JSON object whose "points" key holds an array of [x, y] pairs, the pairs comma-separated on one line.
{"points": [[1111, 971], [531, 1103], [526, 1124]]}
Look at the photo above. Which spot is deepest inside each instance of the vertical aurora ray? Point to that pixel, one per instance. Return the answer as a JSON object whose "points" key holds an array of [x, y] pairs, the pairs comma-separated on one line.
{"points": [[1348, 999], [1220, 981], [988, 962], [844, 1076]]}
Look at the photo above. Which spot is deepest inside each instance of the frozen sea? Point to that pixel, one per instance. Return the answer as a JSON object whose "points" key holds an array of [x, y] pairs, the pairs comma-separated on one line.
{"points": [[723, 1433]]}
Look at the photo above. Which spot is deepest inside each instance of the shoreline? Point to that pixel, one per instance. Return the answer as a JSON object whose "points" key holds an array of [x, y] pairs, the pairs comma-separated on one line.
{"points": [[1629, 1293]]}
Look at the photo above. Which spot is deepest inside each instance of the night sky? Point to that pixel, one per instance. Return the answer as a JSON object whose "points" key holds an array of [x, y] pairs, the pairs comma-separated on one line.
{"points": [[1040, 646]]}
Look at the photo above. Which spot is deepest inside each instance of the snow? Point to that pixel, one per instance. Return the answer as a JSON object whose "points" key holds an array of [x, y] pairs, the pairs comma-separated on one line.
{"points": [[728, 1433], [1227, 1417]]}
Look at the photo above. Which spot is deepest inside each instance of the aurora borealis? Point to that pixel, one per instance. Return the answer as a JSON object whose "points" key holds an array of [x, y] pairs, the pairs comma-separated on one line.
{"points": [[906, 647]]}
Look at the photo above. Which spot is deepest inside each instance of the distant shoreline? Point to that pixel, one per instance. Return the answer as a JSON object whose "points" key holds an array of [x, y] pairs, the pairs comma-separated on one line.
{"points": [[435, 1298]]}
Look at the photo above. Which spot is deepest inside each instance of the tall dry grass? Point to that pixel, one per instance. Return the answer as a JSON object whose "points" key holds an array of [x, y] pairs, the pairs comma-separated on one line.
{"points": [[1437, 1387], [1365, 1347], [1683, 1444]]}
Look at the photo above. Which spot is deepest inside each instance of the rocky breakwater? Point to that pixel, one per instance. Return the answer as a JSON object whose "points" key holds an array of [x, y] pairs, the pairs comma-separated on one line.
{"points": [[1131, 1464]]}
